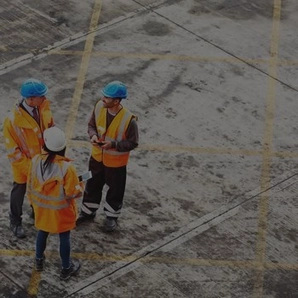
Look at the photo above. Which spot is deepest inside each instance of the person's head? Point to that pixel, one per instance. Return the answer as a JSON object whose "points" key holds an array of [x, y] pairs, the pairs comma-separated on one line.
{"points": [[113, 93], [34, 92], [55, 141]]}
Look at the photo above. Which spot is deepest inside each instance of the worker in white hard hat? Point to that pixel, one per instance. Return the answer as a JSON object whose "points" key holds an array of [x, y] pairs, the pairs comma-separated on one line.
{"points": [[113, 132], [23, 131], [52, 187]]}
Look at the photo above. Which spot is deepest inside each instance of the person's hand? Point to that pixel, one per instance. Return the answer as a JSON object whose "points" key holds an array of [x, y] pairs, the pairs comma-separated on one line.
{"points": [[94, 140], [106, 145]]}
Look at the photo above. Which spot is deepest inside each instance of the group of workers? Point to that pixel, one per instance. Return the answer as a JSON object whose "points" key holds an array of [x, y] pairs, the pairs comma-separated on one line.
{"points": [[36, 151]]}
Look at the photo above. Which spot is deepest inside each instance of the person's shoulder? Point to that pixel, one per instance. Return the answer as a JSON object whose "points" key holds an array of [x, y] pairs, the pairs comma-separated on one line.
{"points": [[12, 114]]}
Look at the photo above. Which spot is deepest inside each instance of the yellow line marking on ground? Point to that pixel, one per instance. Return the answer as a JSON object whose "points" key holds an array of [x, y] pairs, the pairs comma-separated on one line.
{"points": [[171, 57], [197, 150], [242, 264], [154, 56], [16, 253], [83, 70], [34, 282], [268, 135]]}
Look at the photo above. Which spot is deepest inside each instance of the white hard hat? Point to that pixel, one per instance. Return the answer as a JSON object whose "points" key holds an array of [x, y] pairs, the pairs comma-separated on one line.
{"points": [[54, 139]]}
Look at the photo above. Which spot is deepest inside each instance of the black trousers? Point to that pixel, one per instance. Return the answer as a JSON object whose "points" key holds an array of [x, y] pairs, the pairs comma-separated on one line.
{"points": [[114, 178], [16, 203]]}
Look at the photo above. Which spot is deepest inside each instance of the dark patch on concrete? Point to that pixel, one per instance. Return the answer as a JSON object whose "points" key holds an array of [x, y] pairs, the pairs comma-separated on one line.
{"points": [[285, 235], [199, 10], [281, 284], [7, 292], [60, 19], [156, 28], [197, 86], [184, 161], [237, 9], [237, 70]]}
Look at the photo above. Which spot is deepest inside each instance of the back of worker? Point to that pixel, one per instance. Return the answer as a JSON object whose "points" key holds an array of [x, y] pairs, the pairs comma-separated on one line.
{"points": [[52, 187]]}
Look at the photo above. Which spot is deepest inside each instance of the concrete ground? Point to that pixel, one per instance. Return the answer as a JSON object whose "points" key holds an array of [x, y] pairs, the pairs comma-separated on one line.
{"points": [[211, 201]]}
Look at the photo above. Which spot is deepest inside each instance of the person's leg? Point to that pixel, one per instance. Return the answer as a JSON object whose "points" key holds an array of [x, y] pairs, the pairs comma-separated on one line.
{"points": [[116, 180], [65, 249], [16, 203], [69, 267], [16, 209], [41, 243], [93, 191]]}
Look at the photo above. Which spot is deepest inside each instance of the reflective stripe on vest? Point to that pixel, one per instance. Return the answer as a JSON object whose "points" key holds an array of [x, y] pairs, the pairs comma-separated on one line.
{"points": [[45, 200]]}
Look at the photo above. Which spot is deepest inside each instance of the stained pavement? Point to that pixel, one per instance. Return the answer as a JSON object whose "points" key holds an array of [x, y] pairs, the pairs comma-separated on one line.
{"points": [[210, 207]]}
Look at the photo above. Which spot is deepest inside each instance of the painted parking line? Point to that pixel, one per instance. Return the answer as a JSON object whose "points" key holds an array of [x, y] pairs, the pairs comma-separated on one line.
{"points": [[267, 148], [195, 150], [83, 70], [35, 277]]}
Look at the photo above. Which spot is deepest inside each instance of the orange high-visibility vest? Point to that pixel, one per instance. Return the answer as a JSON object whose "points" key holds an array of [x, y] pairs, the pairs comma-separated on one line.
{"points": [[52, 193], [115, 132], [23, 138]]}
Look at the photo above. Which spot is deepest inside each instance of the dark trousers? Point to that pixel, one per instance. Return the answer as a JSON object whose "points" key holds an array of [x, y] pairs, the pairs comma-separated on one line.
{"points": [[16, 203], [114, 178], [64, 248]]}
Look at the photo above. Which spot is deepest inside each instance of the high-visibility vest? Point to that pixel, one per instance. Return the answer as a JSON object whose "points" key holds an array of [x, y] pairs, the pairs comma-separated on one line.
{"points": [[24, 139], [115, 132], [52, 193]]}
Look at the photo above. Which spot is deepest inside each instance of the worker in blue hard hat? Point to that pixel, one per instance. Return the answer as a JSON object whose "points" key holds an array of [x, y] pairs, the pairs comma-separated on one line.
{"points": [[23, 133], [113, 132]]}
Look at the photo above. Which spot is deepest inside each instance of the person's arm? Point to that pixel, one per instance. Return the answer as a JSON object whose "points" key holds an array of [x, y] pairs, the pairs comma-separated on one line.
{"points": [[72, 186], [17, 158], [132, 138]]}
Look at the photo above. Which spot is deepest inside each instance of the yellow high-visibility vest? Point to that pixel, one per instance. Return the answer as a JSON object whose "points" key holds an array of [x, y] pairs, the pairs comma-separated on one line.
{"points": [[115, 132]]}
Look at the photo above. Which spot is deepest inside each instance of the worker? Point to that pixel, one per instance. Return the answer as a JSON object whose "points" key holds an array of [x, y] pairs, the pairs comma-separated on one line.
{"points": [[113, 133], [52, 187], [23, 133]]}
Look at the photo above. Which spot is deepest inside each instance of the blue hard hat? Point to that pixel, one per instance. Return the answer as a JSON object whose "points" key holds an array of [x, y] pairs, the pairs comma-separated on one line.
{"points": [[33, 87], [115, 89]]}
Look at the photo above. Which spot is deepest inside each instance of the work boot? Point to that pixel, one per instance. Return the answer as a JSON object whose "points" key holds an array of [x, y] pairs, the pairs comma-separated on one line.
{"points": [[18, 230], [110, 224], [66, 273], [85, 217], [39, 263]]}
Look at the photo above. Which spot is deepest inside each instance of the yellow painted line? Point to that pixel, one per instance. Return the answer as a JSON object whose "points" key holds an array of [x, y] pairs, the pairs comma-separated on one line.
{"points": [[170, 57], [33, 287], [152, 56], [240, 264], [34, 283], [16, 253], [197, 150], [83, 70], [206, 150], [268, 135], [3, 49]]}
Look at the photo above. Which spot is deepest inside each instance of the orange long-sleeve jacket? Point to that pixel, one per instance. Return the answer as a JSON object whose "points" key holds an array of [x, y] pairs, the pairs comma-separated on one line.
{"points": [[24, 138], [52, 192]]}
